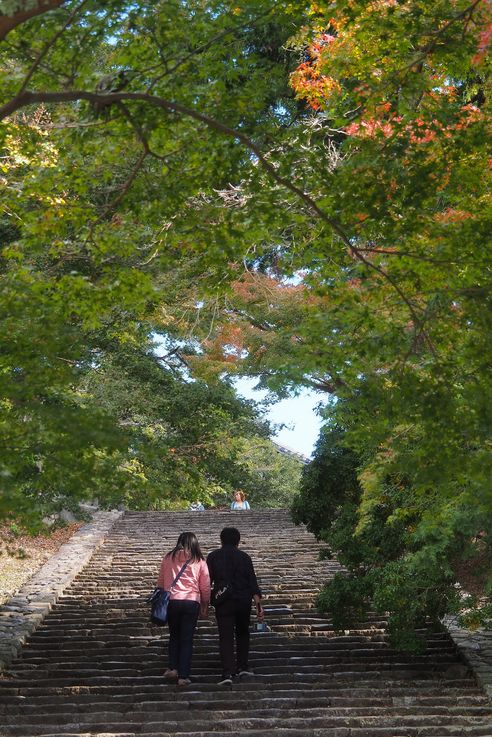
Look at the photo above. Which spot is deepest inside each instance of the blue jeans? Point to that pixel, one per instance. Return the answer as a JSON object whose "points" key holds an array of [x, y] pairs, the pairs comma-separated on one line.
{"points": [[182, 615]]}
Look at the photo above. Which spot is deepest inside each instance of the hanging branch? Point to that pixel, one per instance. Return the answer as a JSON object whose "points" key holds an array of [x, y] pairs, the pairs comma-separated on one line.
{"points": [[50, 44], [29, 98], [9, 22]]}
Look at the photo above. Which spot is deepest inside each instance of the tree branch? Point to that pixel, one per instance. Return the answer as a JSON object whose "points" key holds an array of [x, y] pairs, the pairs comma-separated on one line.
{"points": [[141, 135], [396, 287], [122, 192], [173, 352], [205, 46], [50, 44], [436, 34], [9, 22], [329, 385], [263, 326], [29, 98], [408, 254], [25, 54]]}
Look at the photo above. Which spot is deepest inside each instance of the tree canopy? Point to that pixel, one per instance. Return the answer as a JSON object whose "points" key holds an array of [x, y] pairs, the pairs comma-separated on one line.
{"points": [[99, 208], [295, 191]]}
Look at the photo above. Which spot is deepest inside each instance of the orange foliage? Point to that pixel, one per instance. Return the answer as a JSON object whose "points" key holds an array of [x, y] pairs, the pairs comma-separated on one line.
{"points": [[354, 284], [418, 131], [308, 80], [485, 35], [254, 287], [450, 215]]}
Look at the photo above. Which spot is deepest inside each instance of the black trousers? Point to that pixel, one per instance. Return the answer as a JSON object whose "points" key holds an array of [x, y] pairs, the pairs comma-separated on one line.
{"points": [[182, 615], [233, 619]]}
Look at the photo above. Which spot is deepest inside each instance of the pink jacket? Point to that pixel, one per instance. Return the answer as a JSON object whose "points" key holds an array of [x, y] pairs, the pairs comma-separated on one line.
{"points": [[194, 583]]}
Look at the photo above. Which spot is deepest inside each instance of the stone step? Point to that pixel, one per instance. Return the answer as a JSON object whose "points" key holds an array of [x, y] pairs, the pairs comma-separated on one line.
{"points": [[286, 732], [228, 701], [141, 647], [209, 701], [136, 654], [261, 644], [89, 675], [94, 667], [315, 686], [216, 723], [284, 708], [143, 682]]}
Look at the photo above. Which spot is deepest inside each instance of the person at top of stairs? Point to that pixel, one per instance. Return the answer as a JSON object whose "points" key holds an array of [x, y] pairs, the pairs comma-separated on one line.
{"points": [[240, 501], [190, 596], [234, 584]]}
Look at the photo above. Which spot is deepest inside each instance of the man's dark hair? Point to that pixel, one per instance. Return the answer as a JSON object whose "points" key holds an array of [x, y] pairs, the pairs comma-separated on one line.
{"points": [[230, 536]]}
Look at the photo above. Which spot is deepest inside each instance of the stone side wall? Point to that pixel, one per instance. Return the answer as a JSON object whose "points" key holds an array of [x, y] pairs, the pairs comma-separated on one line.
{"points": [[25, 611], [476, 649]]}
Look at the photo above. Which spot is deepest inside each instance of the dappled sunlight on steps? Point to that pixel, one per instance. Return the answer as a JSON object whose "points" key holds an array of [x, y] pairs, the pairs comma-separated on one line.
{"points": [[95, 665]]}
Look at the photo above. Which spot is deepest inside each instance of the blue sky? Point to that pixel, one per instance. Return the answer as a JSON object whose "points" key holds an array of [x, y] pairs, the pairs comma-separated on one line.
{"points": [[298, 413]]}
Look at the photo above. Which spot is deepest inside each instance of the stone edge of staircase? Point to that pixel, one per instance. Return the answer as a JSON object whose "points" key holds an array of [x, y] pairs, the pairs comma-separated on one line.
{"points": [[476, 650], [23, 613]]}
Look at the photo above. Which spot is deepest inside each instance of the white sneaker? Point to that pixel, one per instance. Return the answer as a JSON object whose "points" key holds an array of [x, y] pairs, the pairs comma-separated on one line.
{"points": [[225, 681]]}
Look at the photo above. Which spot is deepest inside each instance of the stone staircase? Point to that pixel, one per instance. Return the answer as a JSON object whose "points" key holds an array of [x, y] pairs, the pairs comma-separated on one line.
{"points": [[94, 666]]}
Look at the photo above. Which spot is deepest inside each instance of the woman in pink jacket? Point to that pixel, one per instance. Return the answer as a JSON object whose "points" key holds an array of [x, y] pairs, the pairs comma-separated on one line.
{"points": [[190, 596]]}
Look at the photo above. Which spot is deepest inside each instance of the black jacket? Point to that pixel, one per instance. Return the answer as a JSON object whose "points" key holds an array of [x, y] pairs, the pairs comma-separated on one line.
{"points": [[229, 565]]}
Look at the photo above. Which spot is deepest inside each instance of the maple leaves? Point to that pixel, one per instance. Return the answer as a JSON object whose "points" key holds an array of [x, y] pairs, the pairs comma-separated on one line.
{"points": [[228, 344], [309, 81], [417, 131], [411, 117], [255, 317], [348, 66], [485, 34]]}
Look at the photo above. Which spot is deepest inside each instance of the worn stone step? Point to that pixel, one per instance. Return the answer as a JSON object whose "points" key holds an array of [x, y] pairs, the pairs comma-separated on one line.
{"points": [[137, 656], [204, 702], [90, 675], [208, 693], [258, 686], [95, 665], [270, 640], [285, 732], [209, 690], [276, 662], [215, 723], [223, 709]]}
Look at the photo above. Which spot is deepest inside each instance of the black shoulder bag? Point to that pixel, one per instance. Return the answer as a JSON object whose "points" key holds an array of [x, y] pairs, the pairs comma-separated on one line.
{"points": [[222, 592], [159, 601]]}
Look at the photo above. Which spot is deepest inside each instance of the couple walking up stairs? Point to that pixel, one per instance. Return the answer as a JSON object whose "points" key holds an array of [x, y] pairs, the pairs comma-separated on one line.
{"points": [[95, 665]]}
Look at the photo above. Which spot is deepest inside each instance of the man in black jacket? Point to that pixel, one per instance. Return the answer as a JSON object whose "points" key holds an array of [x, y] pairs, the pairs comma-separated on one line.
{"points": [[234, 584]]}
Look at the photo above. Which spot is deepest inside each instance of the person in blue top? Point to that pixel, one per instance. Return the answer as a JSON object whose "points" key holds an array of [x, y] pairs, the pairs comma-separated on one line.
{"points": [[240, 501]]}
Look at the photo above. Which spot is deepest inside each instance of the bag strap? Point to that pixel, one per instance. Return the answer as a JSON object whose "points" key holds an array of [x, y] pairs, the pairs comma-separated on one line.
{"points": [[178, 576]]}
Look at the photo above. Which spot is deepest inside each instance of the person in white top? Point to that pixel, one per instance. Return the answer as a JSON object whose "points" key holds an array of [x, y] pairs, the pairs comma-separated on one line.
{"points": [[240, 501]]}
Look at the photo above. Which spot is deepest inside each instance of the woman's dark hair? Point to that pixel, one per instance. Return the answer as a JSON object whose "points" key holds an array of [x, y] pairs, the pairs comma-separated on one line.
{"points": [[188, 541], [230, 536]]}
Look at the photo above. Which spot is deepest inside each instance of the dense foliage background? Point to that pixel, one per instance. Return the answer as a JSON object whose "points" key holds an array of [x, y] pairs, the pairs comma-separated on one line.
{"points": [[294, 191]]}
